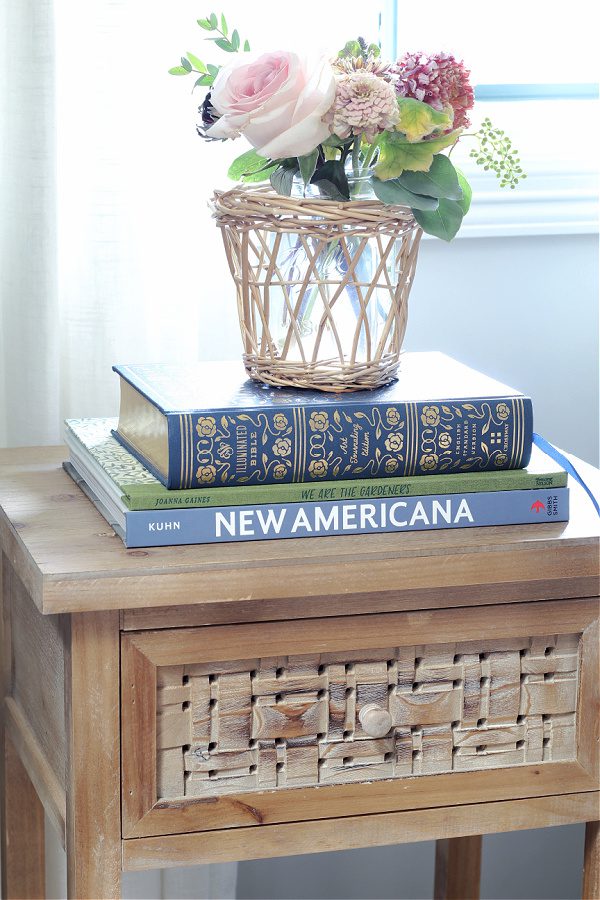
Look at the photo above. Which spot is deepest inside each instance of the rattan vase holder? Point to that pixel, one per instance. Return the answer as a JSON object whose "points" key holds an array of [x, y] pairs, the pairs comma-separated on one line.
{"points": [[253, 221]]}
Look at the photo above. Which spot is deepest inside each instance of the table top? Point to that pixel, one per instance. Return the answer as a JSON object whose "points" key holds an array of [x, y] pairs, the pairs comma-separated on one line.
{"points": [[70, 560]]}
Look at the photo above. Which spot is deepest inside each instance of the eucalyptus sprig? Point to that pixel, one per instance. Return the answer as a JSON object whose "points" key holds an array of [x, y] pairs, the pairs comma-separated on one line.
{"points": [[496, 153], [230, 43]]}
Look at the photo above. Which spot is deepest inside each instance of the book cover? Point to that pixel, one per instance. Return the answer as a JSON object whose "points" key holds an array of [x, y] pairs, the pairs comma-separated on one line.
{"points": [[200, 426], [102, 460], [159, 528]]}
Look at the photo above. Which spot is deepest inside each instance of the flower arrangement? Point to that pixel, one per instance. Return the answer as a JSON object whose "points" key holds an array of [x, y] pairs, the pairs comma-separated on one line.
{"points": [[327, 122]]}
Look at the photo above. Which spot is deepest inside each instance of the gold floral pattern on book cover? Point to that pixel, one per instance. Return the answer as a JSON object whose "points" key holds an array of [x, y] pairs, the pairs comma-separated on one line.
{"points": [[304, 444]]}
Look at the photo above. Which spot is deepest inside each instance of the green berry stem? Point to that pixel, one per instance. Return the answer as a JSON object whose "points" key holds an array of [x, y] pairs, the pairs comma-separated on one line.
{"points": [[496, 152]]}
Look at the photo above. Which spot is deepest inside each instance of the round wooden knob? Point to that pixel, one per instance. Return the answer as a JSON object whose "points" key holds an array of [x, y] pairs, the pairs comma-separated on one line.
{"points": [[375, 720]]}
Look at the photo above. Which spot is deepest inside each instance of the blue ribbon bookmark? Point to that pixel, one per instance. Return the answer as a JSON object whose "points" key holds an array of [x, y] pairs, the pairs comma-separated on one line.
{"points": [[567, 465]]}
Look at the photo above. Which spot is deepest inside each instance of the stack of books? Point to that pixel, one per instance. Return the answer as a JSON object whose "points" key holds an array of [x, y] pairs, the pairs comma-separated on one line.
{"points": [[199, 454]]}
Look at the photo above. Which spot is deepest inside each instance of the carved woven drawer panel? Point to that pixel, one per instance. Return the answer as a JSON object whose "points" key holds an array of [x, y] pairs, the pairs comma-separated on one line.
{"points": [[291, 721], [248, 724]]}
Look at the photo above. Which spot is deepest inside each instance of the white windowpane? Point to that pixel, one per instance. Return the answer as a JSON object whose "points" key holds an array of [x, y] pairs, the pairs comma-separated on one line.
{"points": [[512, 42]]}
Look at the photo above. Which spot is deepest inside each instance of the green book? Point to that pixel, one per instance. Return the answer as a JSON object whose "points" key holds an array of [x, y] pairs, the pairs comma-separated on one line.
{"points": [[109, 466]]}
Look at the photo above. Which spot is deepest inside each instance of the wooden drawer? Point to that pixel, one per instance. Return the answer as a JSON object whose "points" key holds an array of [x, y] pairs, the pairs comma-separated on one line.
{"points": [[242, 725]]}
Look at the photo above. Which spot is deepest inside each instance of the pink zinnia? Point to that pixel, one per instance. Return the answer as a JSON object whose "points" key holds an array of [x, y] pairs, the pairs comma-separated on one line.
{"points": [[438, 80], [364, 104]]}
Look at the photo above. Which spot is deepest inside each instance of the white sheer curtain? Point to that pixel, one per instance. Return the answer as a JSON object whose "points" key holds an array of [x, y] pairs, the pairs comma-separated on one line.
{"points": [[107, 250], [106, 244]]}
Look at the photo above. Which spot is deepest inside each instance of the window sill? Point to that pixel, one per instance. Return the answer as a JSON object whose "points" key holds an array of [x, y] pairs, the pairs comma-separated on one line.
{"points": [[544, 204], [560, 194]]}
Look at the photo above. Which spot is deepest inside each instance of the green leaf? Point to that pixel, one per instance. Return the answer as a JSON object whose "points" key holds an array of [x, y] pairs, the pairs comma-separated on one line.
{"points": [[334, 141], [440, 180], [224, 44], [204, 23], [224, 24], [308, 164], [374, 50], [213, 70], [186, 64], [329, 191], [178, 70], [213, 21], [246, 46], [261, 175], [270, 164], [333, 172], [235, 40], [393, 193], [467, 192], [203, 81], [444, 222], [282, 180], [418, 119], [246, 164], [350, 49], [197, 63], [396, 154]]}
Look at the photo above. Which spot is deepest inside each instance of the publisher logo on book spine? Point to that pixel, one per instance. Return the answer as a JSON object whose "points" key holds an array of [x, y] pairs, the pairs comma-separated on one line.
{"points": [[551, 506]]}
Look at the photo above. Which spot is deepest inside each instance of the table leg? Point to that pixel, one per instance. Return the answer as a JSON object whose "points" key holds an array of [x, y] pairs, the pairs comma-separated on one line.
{"points": [[591, 862], [23, 875], [457, 868], [94, 774]]}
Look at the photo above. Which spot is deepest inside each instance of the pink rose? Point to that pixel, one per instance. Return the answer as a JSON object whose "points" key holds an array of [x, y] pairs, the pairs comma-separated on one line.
{"points": [[276, 101]]}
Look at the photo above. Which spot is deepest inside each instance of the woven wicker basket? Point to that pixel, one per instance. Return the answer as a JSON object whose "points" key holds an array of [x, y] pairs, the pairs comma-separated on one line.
{"points": [[310, 315]]}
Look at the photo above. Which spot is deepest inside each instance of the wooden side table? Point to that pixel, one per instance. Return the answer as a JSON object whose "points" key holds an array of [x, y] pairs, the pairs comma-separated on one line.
{"points": [[224, 702]]}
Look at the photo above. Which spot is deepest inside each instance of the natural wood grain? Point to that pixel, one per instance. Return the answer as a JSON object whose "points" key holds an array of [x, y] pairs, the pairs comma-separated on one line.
{"points": [[291, 721], [261, 609], [41, 774], [357, 831], [588, 736], [457, 868], [6, 653], [243, 810], [191, 645], [93, 777], [345, 594], [528, 683], [23, 876], [591, 863], [70, 560], [33, 704], [38, 674], [245, 579], [21, 813], [138, 704]]}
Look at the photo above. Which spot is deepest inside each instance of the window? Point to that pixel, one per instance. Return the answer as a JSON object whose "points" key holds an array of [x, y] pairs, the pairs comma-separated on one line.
{"points": [[534, 69]]}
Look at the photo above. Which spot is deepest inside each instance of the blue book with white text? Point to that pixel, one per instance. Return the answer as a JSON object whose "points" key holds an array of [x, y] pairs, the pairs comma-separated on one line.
{"points": [[202, 525]]}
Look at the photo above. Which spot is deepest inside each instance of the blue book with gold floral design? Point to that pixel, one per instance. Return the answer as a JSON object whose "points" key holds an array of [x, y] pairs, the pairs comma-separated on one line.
{"points": [[204, 424]]}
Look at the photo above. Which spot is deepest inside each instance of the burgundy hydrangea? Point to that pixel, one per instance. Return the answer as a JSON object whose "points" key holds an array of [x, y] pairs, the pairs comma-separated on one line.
{"points": [[438, 80]]}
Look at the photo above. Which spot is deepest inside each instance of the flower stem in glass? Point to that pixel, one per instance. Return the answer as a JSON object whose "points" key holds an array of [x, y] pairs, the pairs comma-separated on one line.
{"points": [[356, 155]]}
